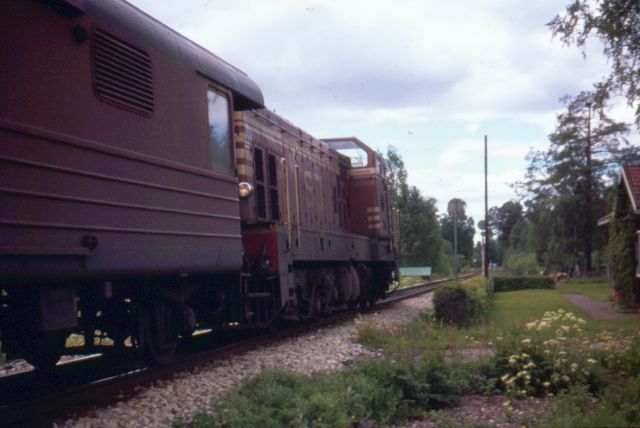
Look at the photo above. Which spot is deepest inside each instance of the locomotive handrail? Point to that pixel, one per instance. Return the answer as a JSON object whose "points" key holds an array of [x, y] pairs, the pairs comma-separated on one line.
{"points": [[283, 162], [297, 183]]}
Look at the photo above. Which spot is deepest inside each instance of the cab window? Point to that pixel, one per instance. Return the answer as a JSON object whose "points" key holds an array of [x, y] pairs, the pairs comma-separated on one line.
{"points": [[219, 131]]}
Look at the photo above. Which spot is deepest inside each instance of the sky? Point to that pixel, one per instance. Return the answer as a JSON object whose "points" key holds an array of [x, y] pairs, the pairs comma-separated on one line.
{"points": [[429, 77]]}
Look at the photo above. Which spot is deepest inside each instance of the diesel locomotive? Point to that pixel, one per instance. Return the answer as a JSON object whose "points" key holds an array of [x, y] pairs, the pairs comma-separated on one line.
{"points": [[146, 193]]}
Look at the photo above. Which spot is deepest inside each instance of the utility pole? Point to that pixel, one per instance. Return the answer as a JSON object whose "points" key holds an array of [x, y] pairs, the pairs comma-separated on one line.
{"points": [[485, 267], [455, 245], [455, 208], [588, 196]]}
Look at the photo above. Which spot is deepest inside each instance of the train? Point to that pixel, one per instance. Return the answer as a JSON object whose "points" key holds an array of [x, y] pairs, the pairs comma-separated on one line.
{"points": [[147, 193]]}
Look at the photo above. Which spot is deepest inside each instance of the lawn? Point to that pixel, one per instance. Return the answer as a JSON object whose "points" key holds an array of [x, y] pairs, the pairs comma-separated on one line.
{"points": [[514, 309], [597, 290], [510, 313]]}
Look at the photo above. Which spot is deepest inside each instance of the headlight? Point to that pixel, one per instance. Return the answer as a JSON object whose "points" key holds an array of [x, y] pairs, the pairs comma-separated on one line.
{"points": [[245, 190]]}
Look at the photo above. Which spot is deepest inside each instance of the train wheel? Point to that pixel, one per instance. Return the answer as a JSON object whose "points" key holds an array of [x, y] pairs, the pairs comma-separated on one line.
{"points": [[43, 350], [159, 329]]}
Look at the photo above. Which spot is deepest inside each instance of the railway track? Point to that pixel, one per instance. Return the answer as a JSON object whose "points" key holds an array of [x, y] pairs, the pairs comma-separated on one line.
{"points": [[34, 399]]}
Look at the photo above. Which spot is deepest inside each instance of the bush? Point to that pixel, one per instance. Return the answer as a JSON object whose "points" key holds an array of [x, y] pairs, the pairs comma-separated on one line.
{"points": [[462, 304], [381, 391], [537, 366], [512, 283], [520, 263], [621, 240], [618, 407]]}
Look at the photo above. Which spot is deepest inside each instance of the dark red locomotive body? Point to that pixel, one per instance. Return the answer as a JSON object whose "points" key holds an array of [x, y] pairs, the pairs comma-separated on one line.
{"points": [[121, 147]]}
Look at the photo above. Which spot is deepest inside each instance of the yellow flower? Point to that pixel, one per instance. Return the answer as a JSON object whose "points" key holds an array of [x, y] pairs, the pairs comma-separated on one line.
{"points": [[591, 361], [531, 325], [542, 325]]}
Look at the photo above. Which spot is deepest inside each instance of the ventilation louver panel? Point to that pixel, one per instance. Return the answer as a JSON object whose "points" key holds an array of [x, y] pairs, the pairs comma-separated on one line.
{"points": [[122, 73]]}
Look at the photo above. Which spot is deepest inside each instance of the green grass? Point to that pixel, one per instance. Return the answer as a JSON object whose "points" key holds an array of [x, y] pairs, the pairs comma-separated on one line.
{"points": [[597, 290], [417, 378], [408, 281], [510, 312], [382, 391], [514, 309], [425, 333]]}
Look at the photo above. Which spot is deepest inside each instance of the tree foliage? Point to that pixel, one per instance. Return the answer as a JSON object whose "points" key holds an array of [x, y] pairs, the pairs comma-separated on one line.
{"points": [[621, 241], [420, 240], [566, 183], [616, 23], [503, 219], [465, 231]]}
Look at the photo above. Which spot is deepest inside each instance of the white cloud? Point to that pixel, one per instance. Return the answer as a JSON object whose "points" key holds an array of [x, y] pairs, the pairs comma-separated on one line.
{"points": [[427, 76], [461, 151]]}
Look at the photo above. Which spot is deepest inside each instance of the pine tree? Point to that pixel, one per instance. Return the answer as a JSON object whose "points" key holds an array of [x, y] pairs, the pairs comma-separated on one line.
{"points": [[585, 146], [616, 24]]}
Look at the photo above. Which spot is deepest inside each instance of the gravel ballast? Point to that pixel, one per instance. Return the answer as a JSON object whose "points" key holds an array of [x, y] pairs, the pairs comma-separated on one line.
{"points": [[325, 349]]}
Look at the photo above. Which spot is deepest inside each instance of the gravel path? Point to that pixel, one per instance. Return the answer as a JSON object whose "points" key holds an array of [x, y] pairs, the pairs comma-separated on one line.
{"points": [[494, 411], [598, 310], [326, 349]]}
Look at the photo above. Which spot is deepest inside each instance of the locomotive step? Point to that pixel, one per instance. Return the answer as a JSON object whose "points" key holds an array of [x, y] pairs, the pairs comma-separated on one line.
{"points": [[258, 295]]}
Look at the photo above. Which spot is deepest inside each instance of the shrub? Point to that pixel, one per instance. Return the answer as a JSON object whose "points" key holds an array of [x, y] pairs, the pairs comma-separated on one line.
{"points": [[622, 237], [512, 283], [462, 304], [539, 367], [375, 390], [618, 407], [521, 263], [449, 303]]}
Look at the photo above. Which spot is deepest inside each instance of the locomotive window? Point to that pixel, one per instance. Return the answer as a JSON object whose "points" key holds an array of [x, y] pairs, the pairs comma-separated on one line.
{"points": [[357, 155], [273, 171], [261, 191], [273, 187], [258, 165], [219, 131]]}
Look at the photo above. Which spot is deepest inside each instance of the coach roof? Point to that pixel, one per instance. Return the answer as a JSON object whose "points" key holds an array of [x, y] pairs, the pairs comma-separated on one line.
{"points": [[131, 20]]}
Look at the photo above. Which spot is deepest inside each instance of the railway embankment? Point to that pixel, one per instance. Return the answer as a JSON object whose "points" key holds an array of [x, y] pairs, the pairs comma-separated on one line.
{"points": [[534, 360], [325, 350]]}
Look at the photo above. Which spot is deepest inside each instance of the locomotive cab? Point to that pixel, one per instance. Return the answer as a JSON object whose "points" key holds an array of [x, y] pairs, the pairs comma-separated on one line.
{"points": [[369, 202]]}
